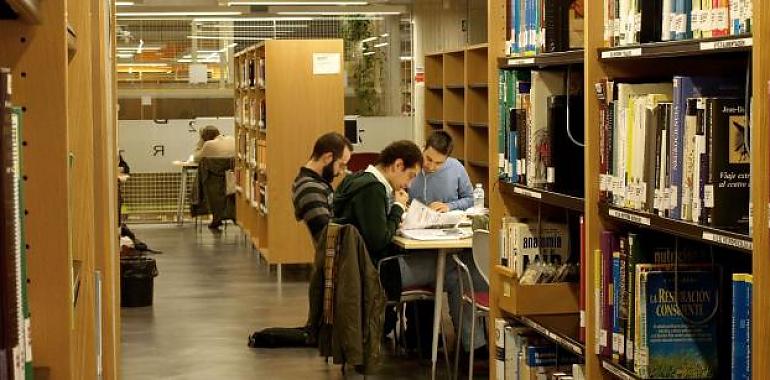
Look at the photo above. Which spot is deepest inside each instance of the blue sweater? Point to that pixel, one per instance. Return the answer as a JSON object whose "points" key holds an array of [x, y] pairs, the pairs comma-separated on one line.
{"points": [[449, 185]]}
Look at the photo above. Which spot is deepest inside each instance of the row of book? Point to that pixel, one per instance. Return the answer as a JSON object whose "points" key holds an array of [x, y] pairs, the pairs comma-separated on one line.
{"points": [[540, 135], [679, 149], [659, 310], [544, 26], [15, 335], [537, 252], [251, 112], [630, 22], [523, 354], [252, 73]]}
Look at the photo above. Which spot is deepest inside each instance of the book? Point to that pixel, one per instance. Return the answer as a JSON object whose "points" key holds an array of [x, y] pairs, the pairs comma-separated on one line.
{"points": [[500, 352], [583, 271], [533, 242], [677, 315], [741, 326]]}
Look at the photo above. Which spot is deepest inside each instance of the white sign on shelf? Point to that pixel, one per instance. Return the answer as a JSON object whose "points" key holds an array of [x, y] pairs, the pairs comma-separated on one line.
{"points": [[521, 61], [629, 217], [727, 240], [326, 63], [726, 44], [623, 53], [528, 193]]}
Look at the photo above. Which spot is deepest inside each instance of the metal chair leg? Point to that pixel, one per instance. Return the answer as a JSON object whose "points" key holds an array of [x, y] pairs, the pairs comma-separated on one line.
{"points": [[459, 346], [471, 348]]}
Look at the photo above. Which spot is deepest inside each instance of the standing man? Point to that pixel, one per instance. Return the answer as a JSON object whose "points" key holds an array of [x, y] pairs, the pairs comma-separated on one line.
{"points": [[312, 191], [443, 183]]}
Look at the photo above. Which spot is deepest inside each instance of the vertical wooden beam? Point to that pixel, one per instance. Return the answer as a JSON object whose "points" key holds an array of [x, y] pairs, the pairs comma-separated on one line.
{"points": [[38, 58], [760, 188]]}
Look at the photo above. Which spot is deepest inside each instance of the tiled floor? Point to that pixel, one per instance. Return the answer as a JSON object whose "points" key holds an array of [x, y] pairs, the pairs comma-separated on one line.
{"points": [[211, 293]]}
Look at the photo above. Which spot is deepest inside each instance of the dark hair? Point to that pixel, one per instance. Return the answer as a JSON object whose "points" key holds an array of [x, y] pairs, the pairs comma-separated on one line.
{"points": [[406, 150], [209, 133], [331, 142], [441, 142]]}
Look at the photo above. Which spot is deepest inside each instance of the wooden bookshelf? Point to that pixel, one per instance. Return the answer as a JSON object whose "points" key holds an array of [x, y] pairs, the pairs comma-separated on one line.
{"points": [[267, 167], [456, 101], [70, 162], [646, 61]]}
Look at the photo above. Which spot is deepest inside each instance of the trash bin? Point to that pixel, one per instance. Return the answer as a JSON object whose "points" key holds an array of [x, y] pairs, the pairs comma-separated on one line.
{"points": [[137, 278]]}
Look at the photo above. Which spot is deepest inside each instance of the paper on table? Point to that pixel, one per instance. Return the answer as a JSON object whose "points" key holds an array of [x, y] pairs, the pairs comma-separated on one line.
{"points": [[436, 234], [421, 216]]}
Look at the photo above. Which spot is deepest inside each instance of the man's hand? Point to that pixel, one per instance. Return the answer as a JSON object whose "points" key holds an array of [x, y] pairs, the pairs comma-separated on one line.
{"points": [[401, 196], [440, 207]]}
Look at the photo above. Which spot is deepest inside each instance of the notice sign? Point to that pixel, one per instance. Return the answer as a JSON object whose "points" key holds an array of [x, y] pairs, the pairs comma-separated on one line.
{"points": [[326, 63]]}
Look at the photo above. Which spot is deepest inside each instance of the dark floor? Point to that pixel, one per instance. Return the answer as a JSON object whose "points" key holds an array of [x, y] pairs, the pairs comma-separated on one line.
{"points": [[211, 293]]}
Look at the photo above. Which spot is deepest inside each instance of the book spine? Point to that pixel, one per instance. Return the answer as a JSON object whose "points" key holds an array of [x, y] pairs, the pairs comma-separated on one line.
{"points": [[606, 302], [582, 281], [610, 126], [665, 29], [500, 325], [701, 164], [695, 16], [513, 343], [642, 361], [598, 297], [502, 127], [616, 328], [634, 256], [741, 326], [676, 149]]}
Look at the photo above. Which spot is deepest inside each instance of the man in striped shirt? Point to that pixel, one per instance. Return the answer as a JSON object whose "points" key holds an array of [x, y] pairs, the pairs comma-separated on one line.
{"points": [[312, 189]]}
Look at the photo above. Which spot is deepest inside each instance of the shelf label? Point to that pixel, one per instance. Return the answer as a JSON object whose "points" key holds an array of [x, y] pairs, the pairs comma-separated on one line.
{"points": [[528, 193], [727, 44], [630, 217], [521, 61], [622, 53], [727, 240]]}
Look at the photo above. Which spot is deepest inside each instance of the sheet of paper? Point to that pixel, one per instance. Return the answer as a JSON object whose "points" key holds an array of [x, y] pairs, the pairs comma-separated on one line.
{"points": [[436, 234], [421, 216], [326, 63]]}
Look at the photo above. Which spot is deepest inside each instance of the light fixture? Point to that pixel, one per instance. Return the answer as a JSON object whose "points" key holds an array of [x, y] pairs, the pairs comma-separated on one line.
{"points": [[180, 14], [340, 13], [228, 38], [406, 58], [124, 3], [225, 26], [237, 19], [133, 48], [236, 3], [369, 53], [157, 64], [242, 32], [381, 45], [384, 35], [370, 39], [124, 55]]}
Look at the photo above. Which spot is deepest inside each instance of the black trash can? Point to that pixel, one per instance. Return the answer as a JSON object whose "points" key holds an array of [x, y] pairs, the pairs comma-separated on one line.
{"points": [[137, 278]]}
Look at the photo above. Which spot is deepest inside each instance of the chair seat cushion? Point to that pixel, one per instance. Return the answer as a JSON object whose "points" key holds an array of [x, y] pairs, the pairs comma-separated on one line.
{"points": [[482, 299]]}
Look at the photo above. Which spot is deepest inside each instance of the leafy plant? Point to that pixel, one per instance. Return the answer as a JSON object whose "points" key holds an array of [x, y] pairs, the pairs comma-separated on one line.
{"points": [[365, 70]]}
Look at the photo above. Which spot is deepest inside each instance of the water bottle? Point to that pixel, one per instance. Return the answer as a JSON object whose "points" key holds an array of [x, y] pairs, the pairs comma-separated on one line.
{"points": [[478, 197]]}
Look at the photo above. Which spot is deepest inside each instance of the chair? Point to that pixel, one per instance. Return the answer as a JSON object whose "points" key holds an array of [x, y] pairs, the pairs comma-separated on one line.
{"points": [[479, 301], [360, 161]]}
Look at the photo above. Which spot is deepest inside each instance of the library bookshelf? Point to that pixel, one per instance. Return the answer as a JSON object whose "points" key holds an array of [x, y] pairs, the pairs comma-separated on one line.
{"points": [[456, 101], [61, 58], [282, 106], [555, 320]]}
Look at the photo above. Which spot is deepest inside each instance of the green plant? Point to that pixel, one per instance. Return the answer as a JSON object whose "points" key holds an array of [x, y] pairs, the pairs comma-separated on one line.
{"points": [[365, 70]]}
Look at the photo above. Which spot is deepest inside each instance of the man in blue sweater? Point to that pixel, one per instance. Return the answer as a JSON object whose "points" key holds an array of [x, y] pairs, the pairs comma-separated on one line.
{"points": [[443, 183]]}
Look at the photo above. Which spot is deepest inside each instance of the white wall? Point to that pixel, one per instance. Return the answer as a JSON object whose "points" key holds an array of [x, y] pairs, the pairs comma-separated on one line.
{"points": [[377, 132], [149, 147]]}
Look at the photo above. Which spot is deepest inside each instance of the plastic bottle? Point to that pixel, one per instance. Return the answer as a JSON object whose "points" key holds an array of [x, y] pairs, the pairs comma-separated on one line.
{"points": [[478, 197]]}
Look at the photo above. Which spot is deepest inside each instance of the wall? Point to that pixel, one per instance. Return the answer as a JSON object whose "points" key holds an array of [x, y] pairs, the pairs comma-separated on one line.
{"points": [[377, 132]]}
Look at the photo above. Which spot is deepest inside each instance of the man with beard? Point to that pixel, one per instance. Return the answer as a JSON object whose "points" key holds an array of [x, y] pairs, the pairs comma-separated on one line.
{"points": [[312, 189]]}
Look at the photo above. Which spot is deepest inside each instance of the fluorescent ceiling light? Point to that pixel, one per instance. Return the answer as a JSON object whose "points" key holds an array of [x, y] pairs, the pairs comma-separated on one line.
{"points": [[370, 39], [124, 3], [159, 64], [226, 26], [235, 3], [381, 45], [230, 38], [384, 35], [242, 32], [406, 58], [124, 55], [144, 48], [369, 53], [235, 19], [340, 13], [189, 60], [187, 14]]}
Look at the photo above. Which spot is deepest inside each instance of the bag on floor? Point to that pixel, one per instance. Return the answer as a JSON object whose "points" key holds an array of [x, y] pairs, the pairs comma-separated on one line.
{"points": [[281, 337]]}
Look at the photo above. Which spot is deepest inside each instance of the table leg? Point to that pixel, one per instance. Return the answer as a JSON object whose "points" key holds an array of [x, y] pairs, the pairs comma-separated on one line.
{"points": [[438, 303], [182, 196]]}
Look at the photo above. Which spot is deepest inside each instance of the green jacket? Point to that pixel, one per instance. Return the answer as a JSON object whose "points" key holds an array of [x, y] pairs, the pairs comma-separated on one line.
{"points": [[209, 195], [361, 200], [358, 302]]}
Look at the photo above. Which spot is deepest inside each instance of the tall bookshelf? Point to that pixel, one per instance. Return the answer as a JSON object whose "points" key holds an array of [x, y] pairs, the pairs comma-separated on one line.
{"points": [[555, 319], [60, 55], [456, 101], [283, 103]]}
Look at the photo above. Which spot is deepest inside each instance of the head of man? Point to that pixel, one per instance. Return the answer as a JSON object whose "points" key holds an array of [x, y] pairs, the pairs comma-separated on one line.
{"points": [[437, 150], [209, 133], [331, 154], [400, 162]]}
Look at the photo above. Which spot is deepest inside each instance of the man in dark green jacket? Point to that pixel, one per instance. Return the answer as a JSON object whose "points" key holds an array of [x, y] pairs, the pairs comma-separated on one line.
{"points": [[374, 200]]}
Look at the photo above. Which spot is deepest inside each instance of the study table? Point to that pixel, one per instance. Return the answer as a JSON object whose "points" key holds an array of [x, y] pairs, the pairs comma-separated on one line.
{"points": [[185, 167], [443, 247]]}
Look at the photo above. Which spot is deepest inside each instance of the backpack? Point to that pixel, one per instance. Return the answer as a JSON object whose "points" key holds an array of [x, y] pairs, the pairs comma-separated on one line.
{"points": [[280, 337]]}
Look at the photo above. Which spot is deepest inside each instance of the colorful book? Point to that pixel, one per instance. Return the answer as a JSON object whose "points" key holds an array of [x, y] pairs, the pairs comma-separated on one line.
{"points": [[741, 326]]}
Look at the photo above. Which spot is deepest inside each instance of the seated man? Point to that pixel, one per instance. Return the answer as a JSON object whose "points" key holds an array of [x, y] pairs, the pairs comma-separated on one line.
{"points": [[212, 144], [443, 183]]}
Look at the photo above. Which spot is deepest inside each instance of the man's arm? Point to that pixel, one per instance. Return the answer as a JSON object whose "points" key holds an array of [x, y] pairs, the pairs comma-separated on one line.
{"points": [[377, 226], [464, 192]]}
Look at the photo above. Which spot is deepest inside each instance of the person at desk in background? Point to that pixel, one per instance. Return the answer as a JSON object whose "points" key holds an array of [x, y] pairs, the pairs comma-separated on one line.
{"points": [[312, 192], [374, 200], [443, 184], [212, 144]]}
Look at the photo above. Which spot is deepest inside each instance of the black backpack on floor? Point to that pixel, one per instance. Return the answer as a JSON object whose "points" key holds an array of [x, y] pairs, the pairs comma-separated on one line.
{"points": [[281, 337]]}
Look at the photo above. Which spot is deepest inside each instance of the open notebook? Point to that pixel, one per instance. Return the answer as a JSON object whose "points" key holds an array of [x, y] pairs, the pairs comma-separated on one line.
{"points": [[422, 223]]}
